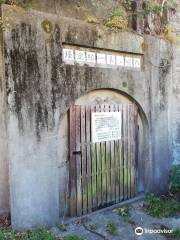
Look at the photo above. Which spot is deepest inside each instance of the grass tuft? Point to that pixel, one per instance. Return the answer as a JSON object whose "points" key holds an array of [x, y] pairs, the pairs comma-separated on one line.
{"points": [[112, 228]]}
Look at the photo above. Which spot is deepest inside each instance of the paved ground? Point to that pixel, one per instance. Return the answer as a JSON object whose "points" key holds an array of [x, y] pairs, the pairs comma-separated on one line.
{"points": [[126, 231]]}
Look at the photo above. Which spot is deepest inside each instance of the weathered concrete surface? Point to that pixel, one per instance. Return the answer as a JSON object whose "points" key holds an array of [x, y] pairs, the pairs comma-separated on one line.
{"points": [[125, 230], [4, 166], [159, 79], [79, 9], [175, 96], [40, 88]]}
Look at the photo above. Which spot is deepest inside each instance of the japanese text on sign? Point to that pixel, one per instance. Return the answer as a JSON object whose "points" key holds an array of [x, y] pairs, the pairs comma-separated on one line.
{"points": [[101, 59], [106, 126]]}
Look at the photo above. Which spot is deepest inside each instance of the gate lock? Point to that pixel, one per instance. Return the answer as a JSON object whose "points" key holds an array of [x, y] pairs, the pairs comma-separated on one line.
{"points": [[77, 152]]}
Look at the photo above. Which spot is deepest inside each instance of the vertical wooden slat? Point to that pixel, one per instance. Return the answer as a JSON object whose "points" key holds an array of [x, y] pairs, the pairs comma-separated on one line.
{"points": [[108, 164], [117, 164], [72, 171], [125, 142], [132, 127], [131, 121], [103, 169], [121, 170], [93, 170], [78, 160], [84, 173], [99, 167], [88, 141], [113, 196], [136, 140], [129, 149]]}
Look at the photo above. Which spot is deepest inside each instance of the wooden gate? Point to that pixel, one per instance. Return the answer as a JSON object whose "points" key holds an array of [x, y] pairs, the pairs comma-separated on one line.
{"points": [[104, 173]]}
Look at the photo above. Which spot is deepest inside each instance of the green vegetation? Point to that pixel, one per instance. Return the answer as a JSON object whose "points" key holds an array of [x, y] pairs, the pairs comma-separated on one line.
{"points": [[40, 234], [176, 234], [118, 12], [112, 228], [125, 214], [73, 237], [122, 16], [119, 19], [127, 4], [150, 7], [22, 3], [47, 26], [1, 235], [157, 207], [62, 227], [93, 227], [153, 7], [4, 23], [175, 180], [2, 1], [167, 205], [92, 19]]}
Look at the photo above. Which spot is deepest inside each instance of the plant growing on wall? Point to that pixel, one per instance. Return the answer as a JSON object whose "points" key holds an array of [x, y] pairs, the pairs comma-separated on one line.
{"points": [[4, 23], [175, 180], [154, 13], [119, 19], [21, 3], [2, 1], [144, 16]]}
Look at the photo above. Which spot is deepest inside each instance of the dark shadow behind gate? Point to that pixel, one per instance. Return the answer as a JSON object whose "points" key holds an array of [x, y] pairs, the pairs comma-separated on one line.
{"points": [[105, 173]]}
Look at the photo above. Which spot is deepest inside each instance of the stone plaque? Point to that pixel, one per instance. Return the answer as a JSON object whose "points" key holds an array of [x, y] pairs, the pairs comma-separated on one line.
{"points": [[106, 126]]}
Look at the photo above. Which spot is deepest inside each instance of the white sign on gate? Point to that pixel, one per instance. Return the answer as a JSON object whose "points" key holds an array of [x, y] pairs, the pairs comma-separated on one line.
{"points": [[106, 126]]}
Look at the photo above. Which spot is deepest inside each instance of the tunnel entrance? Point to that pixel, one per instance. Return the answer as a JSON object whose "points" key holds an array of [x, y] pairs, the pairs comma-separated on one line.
{"points": [[103, 145]]}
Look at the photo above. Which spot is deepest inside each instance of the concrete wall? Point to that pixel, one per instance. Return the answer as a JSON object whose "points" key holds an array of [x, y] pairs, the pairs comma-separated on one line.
{"points": [[79, 9], [40, 88], [4, 182], [175, 96]]}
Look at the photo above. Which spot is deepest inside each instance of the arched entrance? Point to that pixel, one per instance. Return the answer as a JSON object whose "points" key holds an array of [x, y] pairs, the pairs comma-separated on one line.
{"points": [[105, 137]]}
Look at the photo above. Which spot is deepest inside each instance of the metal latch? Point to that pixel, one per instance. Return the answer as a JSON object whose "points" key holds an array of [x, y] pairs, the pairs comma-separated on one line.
{"points": [[77, 152]]}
